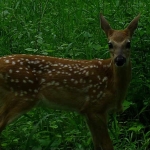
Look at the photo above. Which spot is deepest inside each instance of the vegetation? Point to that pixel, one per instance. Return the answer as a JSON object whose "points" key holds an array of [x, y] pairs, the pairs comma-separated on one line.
{"points": [[70, 29]]}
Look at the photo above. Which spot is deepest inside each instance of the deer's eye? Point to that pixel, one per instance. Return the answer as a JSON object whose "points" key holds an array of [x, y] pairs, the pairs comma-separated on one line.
{"points": [[110, 45], [128, 45]]}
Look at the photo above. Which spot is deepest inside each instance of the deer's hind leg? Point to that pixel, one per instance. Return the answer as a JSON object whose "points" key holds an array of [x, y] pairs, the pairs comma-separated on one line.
{"points": [[12, 106]]}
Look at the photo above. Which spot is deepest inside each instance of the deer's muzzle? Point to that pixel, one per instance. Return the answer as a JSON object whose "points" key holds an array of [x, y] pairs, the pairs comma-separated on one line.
{"points": [[120, 60]]}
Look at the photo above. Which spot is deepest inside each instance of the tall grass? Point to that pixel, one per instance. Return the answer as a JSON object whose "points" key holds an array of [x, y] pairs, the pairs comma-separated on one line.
{"points": [[70, 29]]}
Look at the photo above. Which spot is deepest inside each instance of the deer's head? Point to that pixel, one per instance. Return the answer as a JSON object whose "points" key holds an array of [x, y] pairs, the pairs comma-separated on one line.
{"points": [[119, 41]]}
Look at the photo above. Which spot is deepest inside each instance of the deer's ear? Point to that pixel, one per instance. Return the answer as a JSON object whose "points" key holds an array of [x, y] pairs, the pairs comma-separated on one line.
{"points": [[133, 25], [105, 25]]}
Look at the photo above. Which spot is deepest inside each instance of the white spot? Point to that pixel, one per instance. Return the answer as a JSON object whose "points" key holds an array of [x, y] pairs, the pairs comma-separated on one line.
{"points": [[91, 85], [76, 82], [84, 81], [95, 85], [98, 87], [100, 94], [21, 63], [39, 71], [94, 91], [57, 83], [47, 66], [30, 90], [35, 91], [84, 71], [81, 80], [75, 72], [98, 77], [40, 65], [7, 61], [53, 83], [100, 62], [90, 81], [104, 94], [72, 79], [55, 64], [61, 65], [43, 80], [1, 76], [104, 79], [66, 66], [17, 81], [21, 94], [17, 71], [87, 73], [30, 81], [25, 92], [13, 62], [24, 81], [16, 94], [20, 68], [31, 62], [109, 65], [33, 70], [37, 62], [10, 71], [12, 80]]}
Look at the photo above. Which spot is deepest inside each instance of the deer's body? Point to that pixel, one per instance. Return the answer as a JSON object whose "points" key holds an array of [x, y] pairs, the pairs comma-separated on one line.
{"points": [[90, 87], [65, 82]]}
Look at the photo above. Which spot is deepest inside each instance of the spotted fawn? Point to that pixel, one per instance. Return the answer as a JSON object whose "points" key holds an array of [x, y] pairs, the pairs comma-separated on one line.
{"points": [[91, 87]]}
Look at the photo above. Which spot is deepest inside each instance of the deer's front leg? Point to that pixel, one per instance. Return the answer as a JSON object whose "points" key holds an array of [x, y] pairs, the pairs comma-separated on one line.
{"points": [[98, 126]]}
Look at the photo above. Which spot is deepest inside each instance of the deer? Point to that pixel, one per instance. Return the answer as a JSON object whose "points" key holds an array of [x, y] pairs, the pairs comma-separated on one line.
{"points": [[93, 88]]}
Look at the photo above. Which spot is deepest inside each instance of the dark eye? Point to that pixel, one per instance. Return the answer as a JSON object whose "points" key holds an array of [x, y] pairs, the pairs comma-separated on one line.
{"points": [[128, 45], [110, 45]]}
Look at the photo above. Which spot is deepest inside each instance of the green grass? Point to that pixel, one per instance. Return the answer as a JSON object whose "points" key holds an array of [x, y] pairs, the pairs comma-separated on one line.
{"points": [[71, 29]]}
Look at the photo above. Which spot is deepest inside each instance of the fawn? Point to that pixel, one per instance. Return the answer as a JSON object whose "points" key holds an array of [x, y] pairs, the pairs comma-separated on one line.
{"points": [[90, 87]]}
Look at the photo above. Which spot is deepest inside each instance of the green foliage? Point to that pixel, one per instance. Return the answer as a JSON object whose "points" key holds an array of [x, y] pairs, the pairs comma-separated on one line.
{"points": [[70, 29]]}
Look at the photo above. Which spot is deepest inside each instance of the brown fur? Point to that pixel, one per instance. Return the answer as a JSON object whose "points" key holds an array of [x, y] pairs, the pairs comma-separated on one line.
{"points": [[92, 88]]}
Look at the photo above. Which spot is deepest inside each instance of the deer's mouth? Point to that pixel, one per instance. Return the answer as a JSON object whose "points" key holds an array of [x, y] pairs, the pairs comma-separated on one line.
{"points": [[120, 60]]}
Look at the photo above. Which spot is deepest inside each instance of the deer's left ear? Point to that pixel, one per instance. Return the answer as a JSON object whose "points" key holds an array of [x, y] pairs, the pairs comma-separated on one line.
{"points": [[133, 25], [105, 25]]}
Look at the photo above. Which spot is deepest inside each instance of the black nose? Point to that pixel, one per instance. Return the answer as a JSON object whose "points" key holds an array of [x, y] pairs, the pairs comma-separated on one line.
{"points": [[120, 60]]}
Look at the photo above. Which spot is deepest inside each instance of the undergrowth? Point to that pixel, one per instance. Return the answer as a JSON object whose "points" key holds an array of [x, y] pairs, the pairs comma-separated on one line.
{"points": [[70, 29]]}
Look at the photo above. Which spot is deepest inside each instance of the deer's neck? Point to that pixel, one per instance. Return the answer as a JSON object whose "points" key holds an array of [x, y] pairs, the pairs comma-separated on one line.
{"points": [[122, 76]]}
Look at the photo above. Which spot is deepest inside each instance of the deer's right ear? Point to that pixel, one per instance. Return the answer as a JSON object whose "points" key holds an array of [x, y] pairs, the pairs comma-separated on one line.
{"points": [[105, 25], [133, 25]]}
